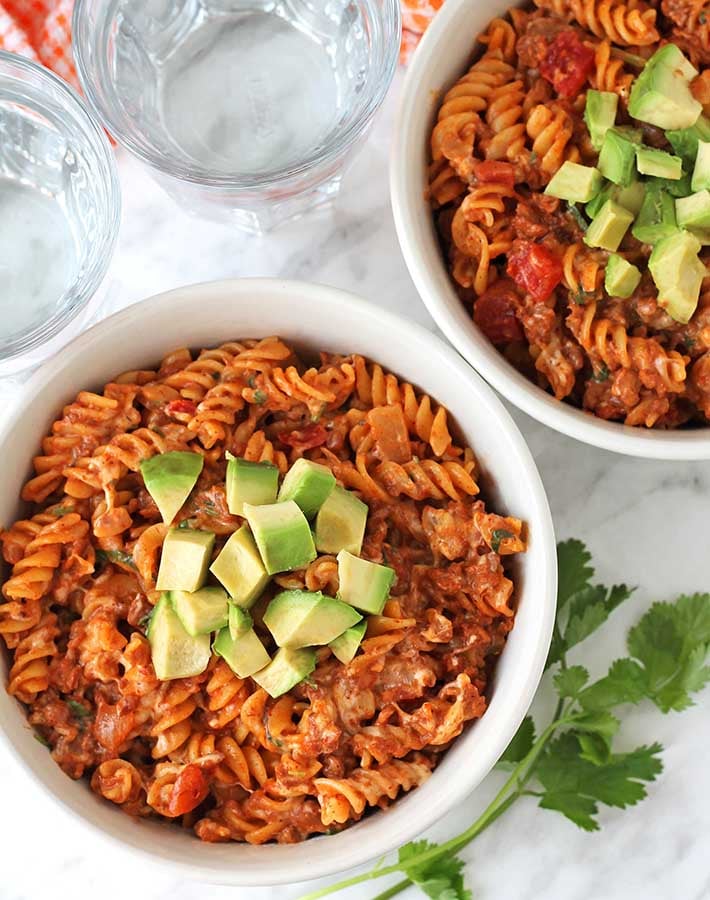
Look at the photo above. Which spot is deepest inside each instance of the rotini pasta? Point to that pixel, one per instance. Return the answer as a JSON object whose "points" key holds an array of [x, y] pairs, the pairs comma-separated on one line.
{"points": [[518, 255], [215, 752]]}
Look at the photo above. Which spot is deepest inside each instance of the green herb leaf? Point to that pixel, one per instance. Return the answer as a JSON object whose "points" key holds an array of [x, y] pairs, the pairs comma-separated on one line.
{"points": [[574, 786], [601, 374], [144, 621], [580, 297], [41, 739], [260, 396], [671, 644], [77, 710], [185, 524], [574, 211], [498, 535], [440, 879], [117, 556], [625, 682], [590, 608], [61, 510], [573, 570], [521, 744], [569, 682]]}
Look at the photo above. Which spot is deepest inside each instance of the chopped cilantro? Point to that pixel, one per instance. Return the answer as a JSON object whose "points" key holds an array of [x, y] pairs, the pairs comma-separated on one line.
{"points": [[574, 211], [260, 396], [117, 556], [498, 535], [601, 374], [41, 739], [61, 510], [77, 710]]}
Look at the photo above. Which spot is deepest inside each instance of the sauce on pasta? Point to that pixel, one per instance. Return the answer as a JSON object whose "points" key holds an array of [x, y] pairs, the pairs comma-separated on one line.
{"points": [[214, 753]]}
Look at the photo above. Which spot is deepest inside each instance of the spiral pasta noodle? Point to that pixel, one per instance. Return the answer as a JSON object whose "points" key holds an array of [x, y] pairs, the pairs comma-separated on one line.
{"points": [[625, 22]]}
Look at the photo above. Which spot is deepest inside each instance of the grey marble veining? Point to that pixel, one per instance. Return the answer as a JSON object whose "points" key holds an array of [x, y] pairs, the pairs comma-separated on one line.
{"points": [[646, 523]]}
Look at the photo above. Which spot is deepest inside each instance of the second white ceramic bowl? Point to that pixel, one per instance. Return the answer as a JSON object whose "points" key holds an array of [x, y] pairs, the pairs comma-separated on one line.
{"points": [[313, 318], [444, 54]]}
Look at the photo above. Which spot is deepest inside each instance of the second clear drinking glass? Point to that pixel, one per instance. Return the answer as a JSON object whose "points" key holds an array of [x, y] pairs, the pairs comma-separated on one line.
{"points": [[245, 110]]}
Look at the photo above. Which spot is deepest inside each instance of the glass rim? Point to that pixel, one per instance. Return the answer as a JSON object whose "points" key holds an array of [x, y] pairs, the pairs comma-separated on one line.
{"points": [[86, 285], [271, 179]]}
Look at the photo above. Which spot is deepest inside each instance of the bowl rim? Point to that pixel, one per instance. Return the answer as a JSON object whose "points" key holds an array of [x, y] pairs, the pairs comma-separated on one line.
{"points": [[324, 159], [409, 208], [87, 283], [355, 308]]}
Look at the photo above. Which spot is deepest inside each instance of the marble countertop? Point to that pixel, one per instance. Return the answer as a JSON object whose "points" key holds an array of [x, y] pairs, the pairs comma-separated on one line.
{"points": [[646, 523]]}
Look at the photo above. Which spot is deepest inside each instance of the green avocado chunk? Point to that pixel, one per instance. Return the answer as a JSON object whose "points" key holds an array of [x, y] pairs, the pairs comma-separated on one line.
{"points": [[575, 183], [657, 218], [285, 670], [169, 478], [693, 211], [239, 621], [307, 619], [250, 482], [244, 654], [201, 612], [608, 226], [685, 140], [240, 569], [345, 646], [630, 197], [617, 159], [308, 484], [600, 115], [184, 559], [678, 274], [340, 523], [650, 161], [364, 584], [661, 94], [621, 277], [701, 171], [282, 534], [175, 653]]}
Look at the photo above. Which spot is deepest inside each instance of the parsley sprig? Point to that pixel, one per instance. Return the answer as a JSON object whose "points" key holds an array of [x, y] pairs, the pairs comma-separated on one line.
{"points": [[571, 766]]}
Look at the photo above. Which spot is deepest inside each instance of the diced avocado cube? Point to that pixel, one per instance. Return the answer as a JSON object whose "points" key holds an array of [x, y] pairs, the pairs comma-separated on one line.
{"points": [[657, 218], [184, 560], [621, 277], [617, 159], [201, 612], [175, 653], [239, 621], [345, 646], [693, 211], [575, 183], [676, 188], [240, 569], [308, 484], [282, 534], [701, 171], [286, 670], [650, 161], [340, 523], [678, 273], [608, 227], [600, 114], [702, 234], [661, 94], [244, 655], [250, 482], [630, 197], [685, 140], [307, 618], [364, 584], [169, 478]]}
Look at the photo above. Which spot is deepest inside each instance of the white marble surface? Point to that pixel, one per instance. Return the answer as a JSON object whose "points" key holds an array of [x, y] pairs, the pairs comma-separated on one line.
{"points": [[646, 523]]}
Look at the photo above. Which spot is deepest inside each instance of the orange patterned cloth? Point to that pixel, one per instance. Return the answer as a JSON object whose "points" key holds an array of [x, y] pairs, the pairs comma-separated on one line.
{"points": [[40, 30], [416, 16]]}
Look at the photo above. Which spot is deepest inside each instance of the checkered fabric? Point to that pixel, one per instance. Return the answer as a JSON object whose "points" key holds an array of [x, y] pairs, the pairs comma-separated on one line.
{"points": [[40, 30]]}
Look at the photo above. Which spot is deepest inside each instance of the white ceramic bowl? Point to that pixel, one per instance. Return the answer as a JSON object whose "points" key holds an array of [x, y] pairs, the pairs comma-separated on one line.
{"points": [[314, 317], [443, 56]]}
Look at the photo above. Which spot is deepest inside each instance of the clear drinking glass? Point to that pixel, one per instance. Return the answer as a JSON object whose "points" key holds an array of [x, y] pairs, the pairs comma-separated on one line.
{"points": [[59, 210], [245, 110]]}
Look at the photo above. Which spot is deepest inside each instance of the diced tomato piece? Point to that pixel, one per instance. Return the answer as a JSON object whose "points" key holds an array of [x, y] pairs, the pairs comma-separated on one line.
{"points": [[492, 171], [494, 313], [534, 268], [567, 63], [181, 407], [189, 790], [305, 438]]}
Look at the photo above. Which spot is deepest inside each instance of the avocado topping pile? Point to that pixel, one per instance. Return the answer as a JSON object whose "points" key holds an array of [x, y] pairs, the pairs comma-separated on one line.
{"points": [[663, 197], [285, 527]]}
